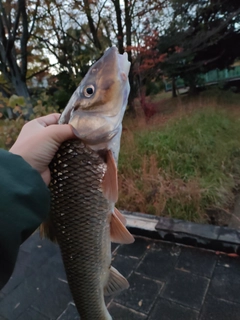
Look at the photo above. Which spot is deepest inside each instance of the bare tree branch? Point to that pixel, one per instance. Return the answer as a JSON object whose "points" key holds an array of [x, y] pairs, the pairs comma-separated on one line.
{"points": [[42, 70], [24, 37], [92, 27], [4, 17], [34, 19], [120, 36]]}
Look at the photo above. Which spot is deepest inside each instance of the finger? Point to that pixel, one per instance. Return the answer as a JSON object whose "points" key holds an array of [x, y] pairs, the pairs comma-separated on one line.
{"points": [[60, 133], [49, 119]]}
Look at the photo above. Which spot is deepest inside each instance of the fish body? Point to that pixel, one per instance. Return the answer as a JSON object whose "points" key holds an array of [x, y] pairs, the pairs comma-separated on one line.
{"points": [[83, 233], [83, 216]]}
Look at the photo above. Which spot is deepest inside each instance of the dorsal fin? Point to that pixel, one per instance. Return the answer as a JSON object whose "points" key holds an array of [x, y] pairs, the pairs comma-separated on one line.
{"points": [[110, 181], [116, 282], [118, 231]]}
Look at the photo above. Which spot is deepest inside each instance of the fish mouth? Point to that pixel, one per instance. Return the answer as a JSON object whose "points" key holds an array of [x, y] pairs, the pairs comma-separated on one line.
{"points": [[124, 64]]}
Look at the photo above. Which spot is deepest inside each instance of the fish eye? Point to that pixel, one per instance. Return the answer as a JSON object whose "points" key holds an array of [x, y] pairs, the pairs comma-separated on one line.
{"points": [[88, 91]]}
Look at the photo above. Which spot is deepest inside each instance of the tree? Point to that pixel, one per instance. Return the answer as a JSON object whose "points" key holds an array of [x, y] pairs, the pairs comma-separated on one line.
{"points": [[137, 20], [91, 27], [201, 36], [71, 33], [18, 20], [74, 45]]}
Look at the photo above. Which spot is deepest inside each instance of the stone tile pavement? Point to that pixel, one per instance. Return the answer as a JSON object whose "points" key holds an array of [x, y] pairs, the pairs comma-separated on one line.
{"points": [[167, 282]]}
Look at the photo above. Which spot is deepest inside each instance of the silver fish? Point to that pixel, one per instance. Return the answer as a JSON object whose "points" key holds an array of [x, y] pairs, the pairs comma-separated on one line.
{"points": [[84, 189]]}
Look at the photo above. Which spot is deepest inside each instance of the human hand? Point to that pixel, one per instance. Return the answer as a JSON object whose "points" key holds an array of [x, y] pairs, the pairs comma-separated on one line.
{"points": [[39, 140]]}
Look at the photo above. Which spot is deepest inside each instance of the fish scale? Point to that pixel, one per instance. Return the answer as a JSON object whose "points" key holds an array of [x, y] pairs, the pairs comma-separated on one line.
{"points": [[77, 174]]}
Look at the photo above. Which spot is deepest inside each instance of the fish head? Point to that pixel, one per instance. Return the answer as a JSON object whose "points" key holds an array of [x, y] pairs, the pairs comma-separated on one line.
{"points": [[96, 108]]}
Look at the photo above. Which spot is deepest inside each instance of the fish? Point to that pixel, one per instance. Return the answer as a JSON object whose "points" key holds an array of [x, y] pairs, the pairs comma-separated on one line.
{"points": [[84, 187]]}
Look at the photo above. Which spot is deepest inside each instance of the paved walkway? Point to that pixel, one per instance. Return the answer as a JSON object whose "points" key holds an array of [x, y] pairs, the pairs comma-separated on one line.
{"points": [[167, 282]]}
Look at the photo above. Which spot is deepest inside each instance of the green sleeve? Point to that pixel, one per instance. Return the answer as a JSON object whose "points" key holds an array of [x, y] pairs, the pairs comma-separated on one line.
{"points": [[24, 204]]}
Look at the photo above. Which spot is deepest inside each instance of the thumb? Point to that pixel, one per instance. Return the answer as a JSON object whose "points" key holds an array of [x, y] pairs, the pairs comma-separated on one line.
{"points": [[60, 132]]}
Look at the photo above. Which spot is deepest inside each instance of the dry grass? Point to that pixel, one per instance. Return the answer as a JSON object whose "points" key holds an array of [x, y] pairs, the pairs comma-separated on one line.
{"points": [[152, 191], [183, 162]]}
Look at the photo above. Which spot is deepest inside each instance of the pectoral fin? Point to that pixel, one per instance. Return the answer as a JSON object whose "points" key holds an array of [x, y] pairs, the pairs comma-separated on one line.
{"points": [[118, 231], [120, 216], [110, 181], [116, 282]]}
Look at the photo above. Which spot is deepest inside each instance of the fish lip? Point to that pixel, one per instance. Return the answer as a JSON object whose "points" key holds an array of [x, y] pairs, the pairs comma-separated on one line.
{"points": [[123, 63]]}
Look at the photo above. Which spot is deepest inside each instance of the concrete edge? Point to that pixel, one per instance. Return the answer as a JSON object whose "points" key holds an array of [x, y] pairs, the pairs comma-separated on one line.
{"points": [[211, 237]]}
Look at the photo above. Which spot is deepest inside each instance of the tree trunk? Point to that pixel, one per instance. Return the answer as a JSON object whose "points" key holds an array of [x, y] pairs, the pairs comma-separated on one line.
{"points": [[192, 89], [13, 66], [22, 91], [174, 92], [20, 88], [119, 24], [128, 23], [92, 27], [132, 94]]}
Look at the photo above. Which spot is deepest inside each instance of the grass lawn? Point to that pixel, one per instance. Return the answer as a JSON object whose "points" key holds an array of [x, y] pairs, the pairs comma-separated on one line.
{"points": [[183, 165]]}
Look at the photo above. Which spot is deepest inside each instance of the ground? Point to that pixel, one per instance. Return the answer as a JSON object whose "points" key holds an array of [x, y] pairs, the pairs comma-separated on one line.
{"points": [[167, 282]]}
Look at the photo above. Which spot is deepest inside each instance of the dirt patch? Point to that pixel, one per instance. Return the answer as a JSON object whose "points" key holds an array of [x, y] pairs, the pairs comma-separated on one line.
{"points": [[218, 217]]}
